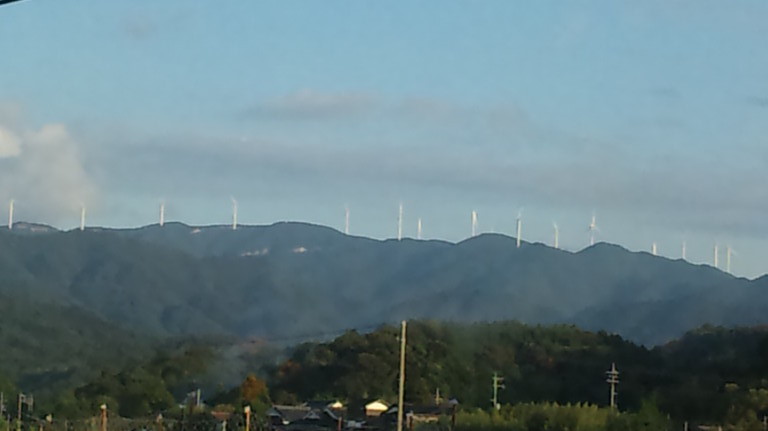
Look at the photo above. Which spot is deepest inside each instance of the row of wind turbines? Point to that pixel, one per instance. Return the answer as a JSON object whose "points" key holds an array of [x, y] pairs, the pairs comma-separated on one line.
{"points": [[592, 229]]}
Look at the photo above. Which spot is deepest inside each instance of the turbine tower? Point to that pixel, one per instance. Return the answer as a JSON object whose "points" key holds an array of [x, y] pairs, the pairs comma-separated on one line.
{"points": [[557, 235], [519, 228], [654, 249], [728, 252], [717, 255], [10, 215], [684, 251], [346, 220], [592, 229], [234, 214], [162, 214], [474, 223], [82, 218], [418, 229], [400, 222]]}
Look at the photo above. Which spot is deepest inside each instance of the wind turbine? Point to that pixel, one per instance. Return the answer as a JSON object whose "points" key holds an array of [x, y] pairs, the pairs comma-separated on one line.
{"points": [[82, 217], [519, 227], [728, 252], [654, 249], [474, 223], [234, 214], [10, 215], [162, 214], [346, 219], [418, 229], [400, 222], [557, 235], [592, 228], [717, 255], [684, 250]]}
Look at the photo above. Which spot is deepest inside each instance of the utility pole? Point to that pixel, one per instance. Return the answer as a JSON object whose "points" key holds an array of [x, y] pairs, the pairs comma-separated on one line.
{"points": [[18, 411], [497, 383], [613, 380], [103, 425], [401, 386], [247, 411]]}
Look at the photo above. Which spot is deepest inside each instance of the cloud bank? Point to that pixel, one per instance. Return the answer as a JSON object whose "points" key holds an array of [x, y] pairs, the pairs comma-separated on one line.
{"points": [[43, 171]]}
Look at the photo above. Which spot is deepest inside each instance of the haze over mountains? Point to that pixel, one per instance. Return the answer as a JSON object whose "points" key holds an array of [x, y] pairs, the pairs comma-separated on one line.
{"points": [[290, 281]]}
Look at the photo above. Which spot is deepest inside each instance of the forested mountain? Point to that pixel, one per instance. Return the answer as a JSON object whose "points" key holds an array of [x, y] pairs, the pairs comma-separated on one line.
{"points": [[294, 280], [49, 346], [106, 292], [711, 375]]}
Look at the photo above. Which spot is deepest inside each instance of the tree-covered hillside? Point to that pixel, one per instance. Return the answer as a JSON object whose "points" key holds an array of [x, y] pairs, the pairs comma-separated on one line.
{"points": [[711, 375], [294, 280]]}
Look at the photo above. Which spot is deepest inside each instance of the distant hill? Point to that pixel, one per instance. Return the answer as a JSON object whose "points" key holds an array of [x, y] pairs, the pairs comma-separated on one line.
{"points": [[711, 375], [292, 281], [49, 346]]}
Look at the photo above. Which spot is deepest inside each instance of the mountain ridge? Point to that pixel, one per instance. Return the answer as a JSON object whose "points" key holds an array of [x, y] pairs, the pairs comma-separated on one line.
{"points": [[291, 278]]}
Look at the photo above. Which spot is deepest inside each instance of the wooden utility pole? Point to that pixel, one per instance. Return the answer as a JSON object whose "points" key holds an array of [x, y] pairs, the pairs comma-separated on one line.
{"points": [[613, 380], [496, 383], [247, 410], [20, 400], [103, 424], [401, 386]]}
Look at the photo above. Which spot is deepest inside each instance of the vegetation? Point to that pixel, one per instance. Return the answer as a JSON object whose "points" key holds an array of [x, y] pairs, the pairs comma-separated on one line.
{"points": [[179, 280], [554, 378], [137, 391], [556, 417], [712, 375]]}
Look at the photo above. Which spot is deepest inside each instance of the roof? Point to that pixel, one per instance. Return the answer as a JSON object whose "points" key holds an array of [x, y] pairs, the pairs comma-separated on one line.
{"points": [[377, 404], [290, 413], [323, 404]]}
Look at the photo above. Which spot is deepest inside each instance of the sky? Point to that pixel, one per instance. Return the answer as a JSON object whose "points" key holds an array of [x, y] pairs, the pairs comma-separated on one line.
{"points": [[652, 115]]}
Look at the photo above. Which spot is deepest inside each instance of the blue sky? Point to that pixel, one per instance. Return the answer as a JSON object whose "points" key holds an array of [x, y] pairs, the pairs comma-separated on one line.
{"points": [[652, 114]]}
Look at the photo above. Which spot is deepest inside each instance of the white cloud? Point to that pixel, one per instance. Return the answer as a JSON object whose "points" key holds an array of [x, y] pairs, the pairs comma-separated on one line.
{"points": [[42, 169], [9, 143], [309, 104]]}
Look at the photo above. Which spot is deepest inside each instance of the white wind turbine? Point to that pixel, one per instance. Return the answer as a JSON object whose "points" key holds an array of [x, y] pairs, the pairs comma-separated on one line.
{"points": [[346, 219], [162, 214], [400, 222], [82, 217], [519, 223], [10, 215], [474, 223], [684, 251], [234, 214], [728, 253], [654, 249], [592, 228], [716, 256], [418, 229], [557, 235]]}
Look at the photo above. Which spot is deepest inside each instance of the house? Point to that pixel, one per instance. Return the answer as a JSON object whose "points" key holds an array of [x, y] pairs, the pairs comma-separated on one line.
{"points": [[375, 408], [336, 406], [284, 414], [305, 417], [415, 414]]}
